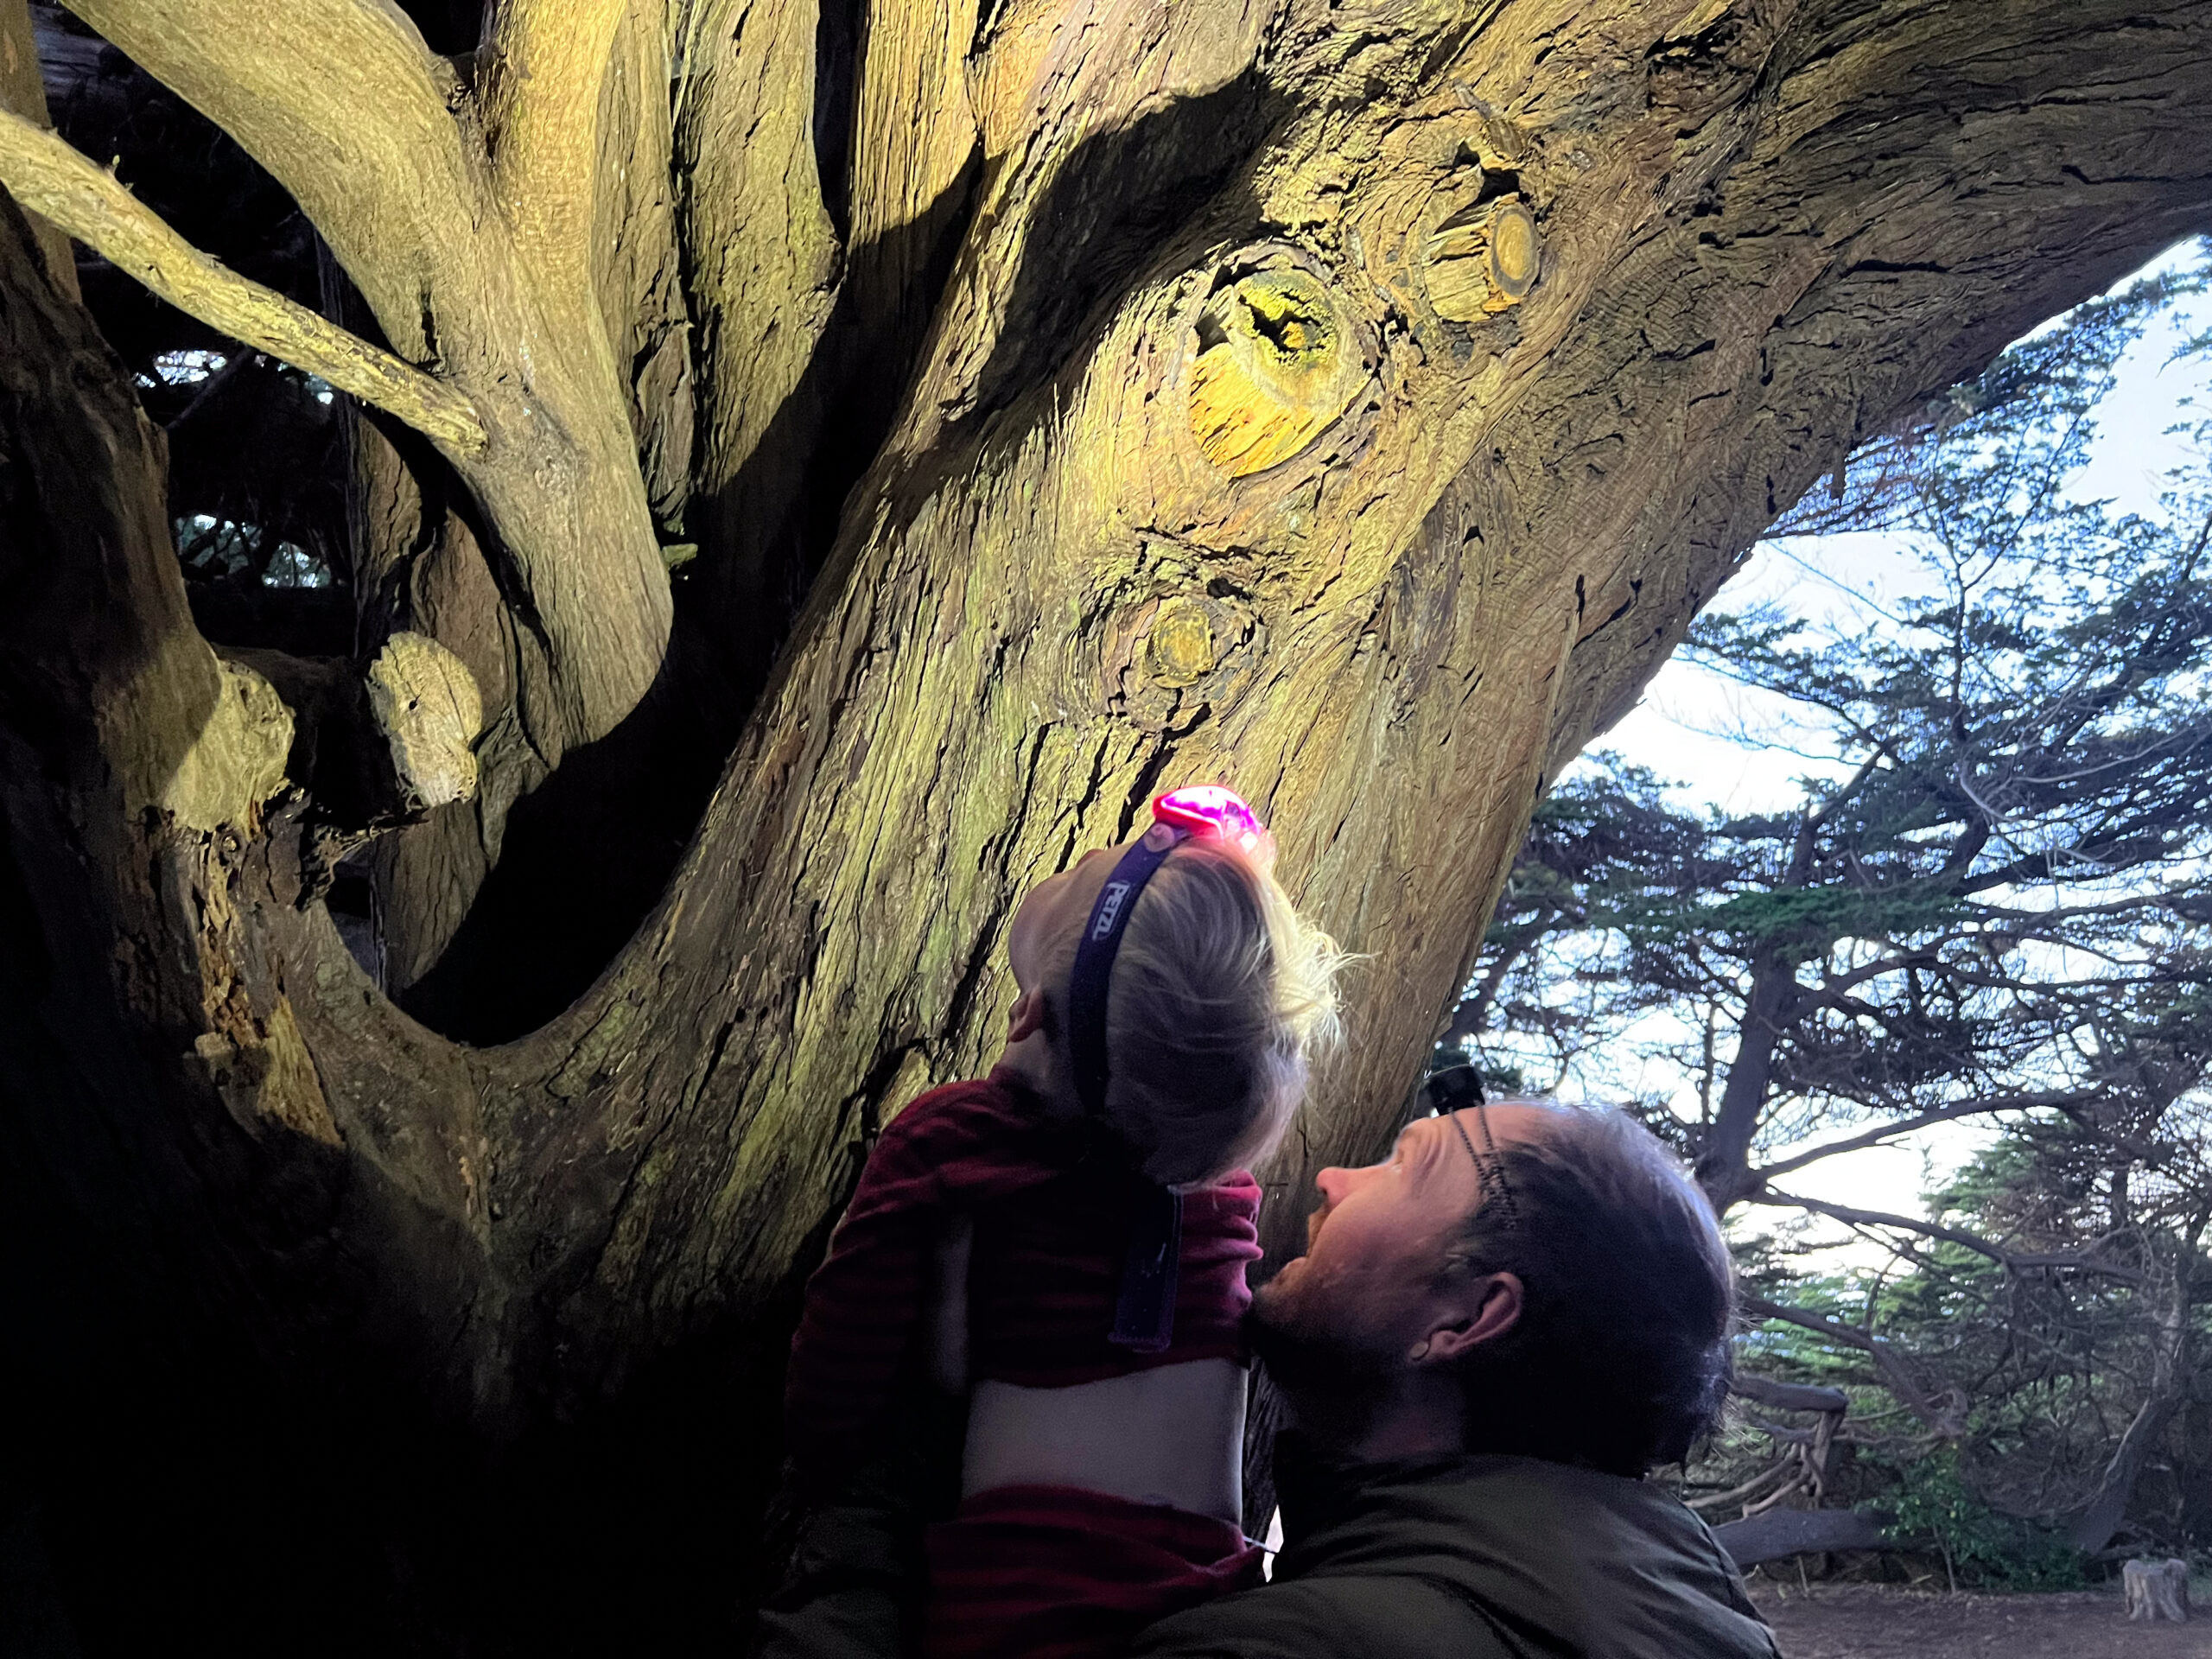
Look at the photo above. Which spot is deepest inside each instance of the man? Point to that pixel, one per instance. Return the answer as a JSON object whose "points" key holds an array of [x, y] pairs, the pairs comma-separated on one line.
{"points": [[1491, 1337]]}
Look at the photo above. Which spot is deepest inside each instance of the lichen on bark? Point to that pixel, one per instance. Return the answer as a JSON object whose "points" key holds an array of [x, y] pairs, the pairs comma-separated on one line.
{"points": [[1059, 406]]}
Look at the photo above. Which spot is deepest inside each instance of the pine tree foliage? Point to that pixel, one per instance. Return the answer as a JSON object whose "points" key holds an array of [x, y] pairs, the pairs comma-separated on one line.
{"points": [[1993, 901]]}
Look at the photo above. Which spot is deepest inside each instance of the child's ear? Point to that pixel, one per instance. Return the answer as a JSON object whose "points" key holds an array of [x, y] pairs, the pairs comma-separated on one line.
{"points": [[1027, 1017]]}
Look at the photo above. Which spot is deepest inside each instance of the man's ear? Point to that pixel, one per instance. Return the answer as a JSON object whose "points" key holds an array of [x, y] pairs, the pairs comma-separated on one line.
{"points": [[1490, 1308], [1027, 1016]]}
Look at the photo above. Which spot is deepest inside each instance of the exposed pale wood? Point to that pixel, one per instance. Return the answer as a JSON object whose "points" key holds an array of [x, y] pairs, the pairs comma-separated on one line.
{"points": [[236, 760], [1481, 261], [47, 175], [426, 702], [1278, 362], [2156, 1590], [1180, 645]]}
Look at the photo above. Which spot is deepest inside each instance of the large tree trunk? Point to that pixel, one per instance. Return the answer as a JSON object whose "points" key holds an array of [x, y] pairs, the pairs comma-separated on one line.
{"points": [[1193, 415]]}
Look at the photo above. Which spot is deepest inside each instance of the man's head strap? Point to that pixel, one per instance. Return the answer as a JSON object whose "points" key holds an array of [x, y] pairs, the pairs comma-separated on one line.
{"points": [[1490, 1174]]}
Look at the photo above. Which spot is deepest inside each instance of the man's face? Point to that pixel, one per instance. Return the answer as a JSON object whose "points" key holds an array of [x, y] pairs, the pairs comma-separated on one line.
{"points": [[1376, 1247]]}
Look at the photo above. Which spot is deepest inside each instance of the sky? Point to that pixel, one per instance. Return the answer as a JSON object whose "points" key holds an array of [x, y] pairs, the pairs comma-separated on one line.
{"points": [[1733, 748]]}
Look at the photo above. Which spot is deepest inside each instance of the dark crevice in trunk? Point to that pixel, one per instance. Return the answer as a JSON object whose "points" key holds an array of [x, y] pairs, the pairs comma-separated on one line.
{"points": [[606, 830], [837, 28]]}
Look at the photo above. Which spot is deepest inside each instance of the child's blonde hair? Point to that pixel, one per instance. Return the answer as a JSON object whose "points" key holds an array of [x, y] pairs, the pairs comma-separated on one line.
{"points": [[1221, 995]]}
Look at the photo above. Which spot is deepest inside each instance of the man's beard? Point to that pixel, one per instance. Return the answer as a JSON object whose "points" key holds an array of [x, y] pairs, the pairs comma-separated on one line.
{"points": [[1331, 1380]]}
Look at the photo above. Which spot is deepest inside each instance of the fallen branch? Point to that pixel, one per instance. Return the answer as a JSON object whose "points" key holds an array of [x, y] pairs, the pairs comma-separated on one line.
{"points": [[1788, 1396], [1792, 1532], [1785, 1470]]}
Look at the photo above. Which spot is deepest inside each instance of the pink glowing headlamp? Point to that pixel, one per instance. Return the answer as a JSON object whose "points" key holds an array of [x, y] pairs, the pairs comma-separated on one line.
{"points": [[1210, 810]]}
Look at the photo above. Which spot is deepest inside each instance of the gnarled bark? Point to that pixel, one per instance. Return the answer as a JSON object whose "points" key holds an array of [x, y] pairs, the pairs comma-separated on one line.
{"points": [[1214, 442]]}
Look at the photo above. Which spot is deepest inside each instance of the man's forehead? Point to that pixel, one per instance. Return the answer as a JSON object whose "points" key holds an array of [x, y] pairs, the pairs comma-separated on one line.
{"points": [[1514, 1120], [1507, 1121], [1437, 1147]]}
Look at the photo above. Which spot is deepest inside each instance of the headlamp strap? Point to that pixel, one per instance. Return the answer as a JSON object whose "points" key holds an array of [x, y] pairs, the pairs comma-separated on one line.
{"points": [[1144, 1311], [1094, 969]]}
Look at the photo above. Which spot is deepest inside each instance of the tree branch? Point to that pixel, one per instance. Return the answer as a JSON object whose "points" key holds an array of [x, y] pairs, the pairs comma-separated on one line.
{"points": [[541, 104], [1788, 1396], [1468, 1015], [1899, 1380], [1960, 1236], [1973, 1242], [53, 179], [1875, 1137], [346, 107]]}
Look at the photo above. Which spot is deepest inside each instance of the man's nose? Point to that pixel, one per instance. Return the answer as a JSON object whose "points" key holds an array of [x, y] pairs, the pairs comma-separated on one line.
{"points": [[1332, 1184]]}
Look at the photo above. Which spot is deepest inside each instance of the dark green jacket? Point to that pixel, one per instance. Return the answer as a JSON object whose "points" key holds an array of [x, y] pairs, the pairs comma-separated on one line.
{"points": [[1453, 1558], [1477, 1557]]}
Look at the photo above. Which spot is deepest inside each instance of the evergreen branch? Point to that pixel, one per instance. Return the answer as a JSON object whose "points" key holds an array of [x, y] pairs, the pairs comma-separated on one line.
{"points": [[2009, 1260], [1876, 1137], [1944, 1420]]}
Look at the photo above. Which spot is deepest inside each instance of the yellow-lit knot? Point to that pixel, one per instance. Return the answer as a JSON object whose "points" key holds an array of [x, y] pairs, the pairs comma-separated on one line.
{"points": [[1179, 648], [1481, 260], [1276, 365]]}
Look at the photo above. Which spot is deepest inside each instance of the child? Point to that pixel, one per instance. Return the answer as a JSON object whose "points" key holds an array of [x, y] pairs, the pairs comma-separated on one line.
{"points": [[1169, 995]]}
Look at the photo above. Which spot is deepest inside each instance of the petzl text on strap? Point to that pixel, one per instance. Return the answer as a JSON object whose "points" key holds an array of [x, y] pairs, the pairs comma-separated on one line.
{"points": [[1094, 970], [1144, 1311]]}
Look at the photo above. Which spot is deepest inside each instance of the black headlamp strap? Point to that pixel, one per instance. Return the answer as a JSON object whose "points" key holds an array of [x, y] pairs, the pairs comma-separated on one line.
{"points": [[1094, 970], [1144, 1311]]}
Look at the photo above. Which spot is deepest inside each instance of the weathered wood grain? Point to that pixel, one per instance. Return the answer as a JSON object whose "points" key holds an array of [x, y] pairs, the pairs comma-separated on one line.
{"points": [[983, 543]]}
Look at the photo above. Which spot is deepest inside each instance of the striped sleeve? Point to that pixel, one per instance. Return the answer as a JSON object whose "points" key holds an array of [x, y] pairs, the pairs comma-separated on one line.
{"points": [[865, 1304]]}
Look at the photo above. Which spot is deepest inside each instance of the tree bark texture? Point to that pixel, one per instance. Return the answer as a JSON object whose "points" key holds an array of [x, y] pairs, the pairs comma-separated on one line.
{"points": [[1146, 349]]}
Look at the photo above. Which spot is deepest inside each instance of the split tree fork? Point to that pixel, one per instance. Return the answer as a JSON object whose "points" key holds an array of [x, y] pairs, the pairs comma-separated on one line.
{"points": [[1351, 402]]}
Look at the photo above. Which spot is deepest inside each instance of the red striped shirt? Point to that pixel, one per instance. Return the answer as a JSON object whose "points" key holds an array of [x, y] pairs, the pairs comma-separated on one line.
{"points": [[1053, 1573], [1050, 1228]]}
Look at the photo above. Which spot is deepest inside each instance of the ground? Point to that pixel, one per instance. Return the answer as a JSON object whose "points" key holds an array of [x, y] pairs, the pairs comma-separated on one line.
{"points": [[1868, 1621]]}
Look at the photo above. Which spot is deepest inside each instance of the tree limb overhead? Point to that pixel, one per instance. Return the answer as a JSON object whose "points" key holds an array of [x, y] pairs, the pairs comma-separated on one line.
{"points": [[47, 176]]}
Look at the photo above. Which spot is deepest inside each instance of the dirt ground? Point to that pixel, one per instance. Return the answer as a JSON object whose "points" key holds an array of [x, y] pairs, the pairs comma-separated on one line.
{"points": [[1867, 1621]]}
